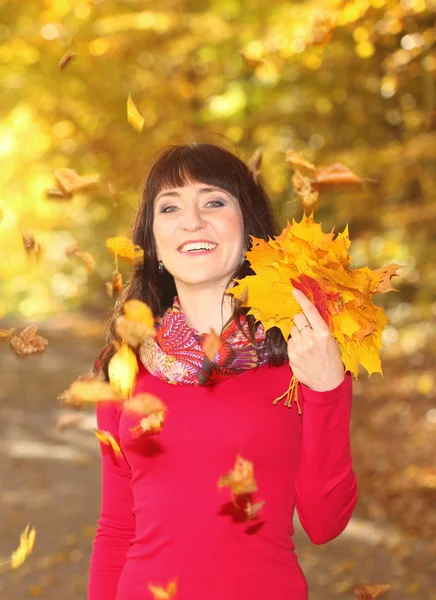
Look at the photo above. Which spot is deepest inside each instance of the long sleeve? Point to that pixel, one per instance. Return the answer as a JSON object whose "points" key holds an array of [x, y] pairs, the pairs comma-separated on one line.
{"points": [[326, 486], [116, 526]]}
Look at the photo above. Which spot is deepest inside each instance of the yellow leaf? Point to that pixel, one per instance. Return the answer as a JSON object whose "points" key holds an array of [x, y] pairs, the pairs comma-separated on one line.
{"points": [[124, 248], [241, 478], [160, 593], [122, 370], [107, 438], [136, 310], [305, 257], [25, 547], [88, 391], [133, 115]]}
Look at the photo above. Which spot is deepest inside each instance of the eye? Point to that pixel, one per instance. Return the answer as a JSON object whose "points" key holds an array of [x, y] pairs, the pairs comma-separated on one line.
{"points": [[164, 209], [217, 202]]}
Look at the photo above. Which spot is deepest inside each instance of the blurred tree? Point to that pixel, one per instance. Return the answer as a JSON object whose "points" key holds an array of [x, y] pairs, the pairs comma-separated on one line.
{"points": [[349, 81]]}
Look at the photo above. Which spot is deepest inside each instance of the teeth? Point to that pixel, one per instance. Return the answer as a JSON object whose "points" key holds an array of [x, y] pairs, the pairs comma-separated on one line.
{"points": [[197, 246]]}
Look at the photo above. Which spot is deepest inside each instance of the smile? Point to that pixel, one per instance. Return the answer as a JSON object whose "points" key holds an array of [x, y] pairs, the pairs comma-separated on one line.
{"points": [[197, 247]]}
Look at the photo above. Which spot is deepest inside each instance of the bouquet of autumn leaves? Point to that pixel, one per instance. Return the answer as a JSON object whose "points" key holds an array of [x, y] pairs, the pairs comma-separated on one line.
{"points": [[306, 258]]}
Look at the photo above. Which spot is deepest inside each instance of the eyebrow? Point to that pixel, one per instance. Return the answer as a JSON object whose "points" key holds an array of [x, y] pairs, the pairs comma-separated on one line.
{"points": [[203, 190]]}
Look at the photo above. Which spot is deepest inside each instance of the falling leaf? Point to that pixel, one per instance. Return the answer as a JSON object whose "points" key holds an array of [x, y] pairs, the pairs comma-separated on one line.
{"points": [[160, 593], [25, 547], [304, 257], [136, 324], [122, 370], [212, 343], [87, 259], [133, 115], [71, 182], [89, 391], [6, 334], [31, 245], [151, 424], [370, 592], [55, 192], [254, 164], [66, 59], [122, 247], [107, 438], [241, 479], [335, 175], [69, 420], [115, 286], [28, 342], [298, 162], [144, 404], [252, 510]]}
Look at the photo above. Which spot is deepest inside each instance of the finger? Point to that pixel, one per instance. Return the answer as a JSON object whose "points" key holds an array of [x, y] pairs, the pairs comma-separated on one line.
{"points": [[310, 311], [300, 320]]}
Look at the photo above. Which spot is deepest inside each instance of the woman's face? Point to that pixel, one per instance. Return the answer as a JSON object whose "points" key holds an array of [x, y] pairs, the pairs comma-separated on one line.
{"points": [[210, 220]]}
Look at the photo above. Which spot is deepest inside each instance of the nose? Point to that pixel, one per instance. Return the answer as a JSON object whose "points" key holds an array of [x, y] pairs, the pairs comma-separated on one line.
{"points": [[192, 219]]}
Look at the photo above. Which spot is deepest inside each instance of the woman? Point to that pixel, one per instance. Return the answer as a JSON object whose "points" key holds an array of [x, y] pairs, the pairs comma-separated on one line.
{"points": [[163, 516]]}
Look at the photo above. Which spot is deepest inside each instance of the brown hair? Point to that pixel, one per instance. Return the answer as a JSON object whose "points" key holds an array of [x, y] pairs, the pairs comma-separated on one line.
{"points": [[176, 166]]}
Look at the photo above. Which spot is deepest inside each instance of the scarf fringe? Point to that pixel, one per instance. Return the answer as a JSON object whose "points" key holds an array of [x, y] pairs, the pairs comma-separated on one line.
{"points": [[291, 391]]}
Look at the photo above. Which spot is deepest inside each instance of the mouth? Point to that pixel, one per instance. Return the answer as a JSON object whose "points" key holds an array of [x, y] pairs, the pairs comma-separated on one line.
{"points": [[197, 247]]}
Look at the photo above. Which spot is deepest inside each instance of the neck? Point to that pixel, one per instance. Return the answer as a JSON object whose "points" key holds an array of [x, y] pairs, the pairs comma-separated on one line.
{"points": [[205, 309]]}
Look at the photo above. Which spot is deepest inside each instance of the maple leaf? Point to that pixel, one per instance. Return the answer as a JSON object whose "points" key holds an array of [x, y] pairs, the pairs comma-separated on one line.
{"points": [[88, 391], [161, 593], [144, 404], [136, 324], [28, 342], [122, 247], [122, 370], [134, 117], [306, 258], [107, 438], [25, 547], [240, 479], [71, 182], [370, 592], [151, 424]]}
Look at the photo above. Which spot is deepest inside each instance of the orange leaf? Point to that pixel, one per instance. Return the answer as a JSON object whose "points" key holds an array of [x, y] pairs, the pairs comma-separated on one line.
{"points": [[252, 510], [71, 182], [133, 115], [122, 247], [28, 342], [107, 438], [370, 592], [144, 404], [241, 479], [160, 593], [151, 424], [66, 59], [89, 390]]}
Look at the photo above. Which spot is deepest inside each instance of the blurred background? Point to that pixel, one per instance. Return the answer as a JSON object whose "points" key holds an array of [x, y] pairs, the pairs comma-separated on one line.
{"points": [[347, 81]]}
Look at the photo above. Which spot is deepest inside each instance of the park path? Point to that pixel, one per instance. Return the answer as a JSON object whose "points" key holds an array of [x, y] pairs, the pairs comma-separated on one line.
{"points": [[51, 479]]}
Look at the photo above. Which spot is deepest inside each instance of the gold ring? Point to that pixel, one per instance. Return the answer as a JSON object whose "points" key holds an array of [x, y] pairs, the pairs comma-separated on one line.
{"points": [[303, 327]]}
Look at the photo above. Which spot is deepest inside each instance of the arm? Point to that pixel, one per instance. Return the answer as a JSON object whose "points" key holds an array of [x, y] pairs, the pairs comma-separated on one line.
{"points": [[325, 487], [116, 526]]}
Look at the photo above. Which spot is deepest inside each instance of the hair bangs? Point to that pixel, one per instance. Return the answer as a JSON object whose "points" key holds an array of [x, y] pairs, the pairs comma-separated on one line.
{"points": [[196, 163]]}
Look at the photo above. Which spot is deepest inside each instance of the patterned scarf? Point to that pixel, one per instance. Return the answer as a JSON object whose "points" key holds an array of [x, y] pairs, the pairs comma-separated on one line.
{"points": [[176, 353]]}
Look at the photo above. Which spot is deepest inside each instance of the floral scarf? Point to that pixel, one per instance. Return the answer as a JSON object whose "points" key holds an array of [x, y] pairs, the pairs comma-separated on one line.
{"points": [[176, 353]]}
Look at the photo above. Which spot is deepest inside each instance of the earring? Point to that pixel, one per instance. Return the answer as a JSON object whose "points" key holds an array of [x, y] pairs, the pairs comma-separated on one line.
{"points": [[160, 267]]}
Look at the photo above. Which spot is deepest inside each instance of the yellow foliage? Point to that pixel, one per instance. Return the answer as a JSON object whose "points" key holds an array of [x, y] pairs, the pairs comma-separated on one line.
{"points": [[305, 257]]}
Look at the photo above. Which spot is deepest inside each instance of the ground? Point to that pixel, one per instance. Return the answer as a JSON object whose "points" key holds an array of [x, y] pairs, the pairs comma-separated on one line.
{"points": [[51, 477]]}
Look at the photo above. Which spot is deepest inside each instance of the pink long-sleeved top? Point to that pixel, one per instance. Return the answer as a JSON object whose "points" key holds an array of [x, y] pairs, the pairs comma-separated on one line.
{"points": [[164, 518]]}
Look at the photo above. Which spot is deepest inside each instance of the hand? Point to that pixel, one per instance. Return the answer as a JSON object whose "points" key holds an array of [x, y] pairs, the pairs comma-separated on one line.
{"points": [[314, 354]]}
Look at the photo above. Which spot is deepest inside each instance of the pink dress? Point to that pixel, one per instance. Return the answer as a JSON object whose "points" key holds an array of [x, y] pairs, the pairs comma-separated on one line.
{"points": [[164, 518]]}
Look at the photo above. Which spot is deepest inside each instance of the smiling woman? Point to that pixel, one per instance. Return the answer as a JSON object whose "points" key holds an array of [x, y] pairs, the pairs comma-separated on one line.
{"points": [[166, 526]]}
